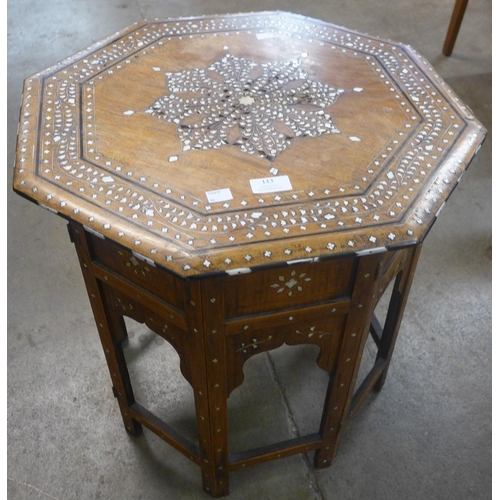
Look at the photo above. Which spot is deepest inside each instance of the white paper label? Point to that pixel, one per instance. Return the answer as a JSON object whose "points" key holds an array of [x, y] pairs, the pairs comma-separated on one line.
{"points": [[271, 184], [218, 195]]}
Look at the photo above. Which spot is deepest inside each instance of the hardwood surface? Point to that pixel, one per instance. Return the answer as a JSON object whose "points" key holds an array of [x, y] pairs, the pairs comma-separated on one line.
{"points": [[128, 136]]}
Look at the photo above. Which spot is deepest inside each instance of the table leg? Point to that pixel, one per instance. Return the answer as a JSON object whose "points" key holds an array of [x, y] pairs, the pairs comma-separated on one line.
{"points": [[342, 380], [208, 368], [111, 330], [454, 26], [397, 304]]}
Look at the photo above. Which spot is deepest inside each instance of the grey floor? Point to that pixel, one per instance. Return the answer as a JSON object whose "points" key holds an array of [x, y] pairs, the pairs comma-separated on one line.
{"points": [[426, 436]]}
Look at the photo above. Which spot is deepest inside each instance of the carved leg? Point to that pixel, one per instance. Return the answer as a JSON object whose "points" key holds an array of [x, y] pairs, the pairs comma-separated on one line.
{"points": [[342, 379], [111, 330], [395, 313]]}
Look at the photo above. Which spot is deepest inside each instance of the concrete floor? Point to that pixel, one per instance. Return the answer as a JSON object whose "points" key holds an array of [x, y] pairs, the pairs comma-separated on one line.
{"points": [[426, 436]]}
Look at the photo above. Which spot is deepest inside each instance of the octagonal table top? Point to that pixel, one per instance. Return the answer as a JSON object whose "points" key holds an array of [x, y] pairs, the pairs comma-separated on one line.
{"points": [[224, 143]]}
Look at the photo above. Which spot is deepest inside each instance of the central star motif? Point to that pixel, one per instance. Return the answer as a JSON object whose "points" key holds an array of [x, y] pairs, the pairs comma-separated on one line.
{"points": [[258, 108]]}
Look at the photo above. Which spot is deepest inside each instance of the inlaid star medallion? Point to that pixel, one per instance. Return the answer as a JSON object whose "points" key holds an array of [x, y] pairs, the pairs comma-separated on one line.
{"points": [[257, 108]]}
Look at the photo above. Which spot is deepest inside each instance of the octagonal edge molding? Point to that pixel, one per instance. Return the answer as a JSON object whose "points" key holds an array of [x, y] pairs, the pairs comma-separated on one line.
{"points": [[190, 239]]}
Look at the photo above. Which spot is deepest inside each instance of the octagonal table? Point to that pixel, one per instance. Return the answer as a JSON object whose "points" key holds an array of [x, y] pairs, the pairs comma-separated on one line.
{"points": [[239, 182]]}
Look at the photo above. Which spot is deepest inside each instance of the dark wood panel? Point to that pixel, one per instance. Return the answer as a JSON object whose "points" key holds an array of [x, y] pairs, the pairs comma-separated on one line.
{"points": [[139, 270], [289, 286]]}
